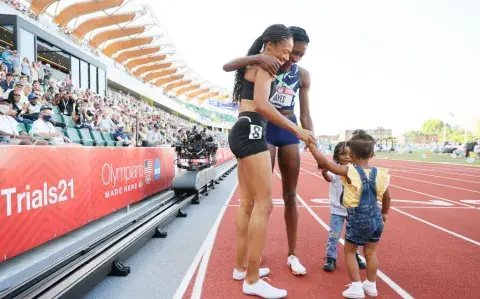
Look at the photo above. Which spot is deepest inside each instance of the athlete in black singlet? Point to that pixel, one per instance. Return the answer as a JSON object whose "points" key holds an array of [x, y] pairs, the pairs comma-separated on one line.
{"points": [[291, 80], [253, 87]]}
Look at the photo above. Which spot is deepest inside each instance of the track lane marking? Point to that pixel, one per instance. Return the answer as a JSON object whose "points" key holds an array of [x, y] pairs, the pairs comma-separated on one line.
{"points": [[380, 274], [206, 248], [421, 181], [418, 192], [429, 223]]}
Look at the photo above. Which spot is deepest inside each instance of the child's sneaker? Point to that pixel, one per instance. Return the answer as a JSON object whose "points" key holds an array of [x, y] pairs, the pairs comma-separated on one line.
{"points": [[330, 264], [295, 265], [354, 290], [263, 289], [361, 264], [370, 288]]}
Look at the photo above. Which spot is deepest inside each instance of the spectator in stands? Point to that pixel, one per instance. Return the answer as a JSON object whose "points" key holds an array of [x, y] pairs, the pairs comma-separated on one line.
{"points": [[9, 133], [105, 123], [82, 116], [119, 135], [154, 137], [65, 102], [8, 83], [47, 74], [16, 62], [33, 107], [7, 58], [44, 128]]}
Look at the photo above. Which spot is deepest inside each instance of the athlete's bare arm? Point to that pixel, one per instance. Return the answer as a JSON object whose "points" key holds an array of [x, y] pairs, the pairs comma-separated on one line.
{"points": [[323, 162], [305, 118], [267, 62]]}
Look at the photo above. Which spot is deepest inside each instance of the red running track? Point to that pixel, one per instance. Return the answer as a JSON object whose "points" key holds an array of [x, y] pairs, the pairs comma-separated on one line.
{"points": [[430, 247]]}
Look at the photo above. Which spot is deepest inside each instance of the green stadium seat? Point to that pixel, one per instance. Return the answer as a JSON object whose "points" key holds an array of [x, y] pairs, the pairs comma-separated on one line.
{"points": [[29, 127], [97, 136], [108, 137], [68, 121], [57, 118], [22, 128], [56, 110], [72, 134], [86, 137]]}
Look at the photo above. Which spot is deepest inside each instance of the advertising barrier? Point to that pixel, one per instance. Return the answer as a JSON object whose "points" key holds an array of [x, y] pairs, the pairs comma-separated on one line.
{"points": [[46, 192]]}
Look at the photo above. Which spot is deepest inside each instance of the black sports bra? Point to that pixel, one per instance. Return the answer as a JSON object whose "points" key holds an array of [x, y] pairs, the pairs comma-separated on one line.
{"points": [[246, 92]]}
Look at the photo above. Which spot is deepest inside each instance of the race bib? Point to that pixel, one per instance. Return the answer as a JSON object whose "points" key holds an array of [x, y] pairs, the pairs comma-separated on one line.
{"points": [[256, 132], [283, 97]]}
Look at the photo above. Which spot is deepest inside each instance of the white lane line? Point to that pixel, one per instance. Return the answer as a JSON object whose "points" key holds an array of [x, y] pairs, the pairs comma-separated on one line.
{"points": [[429, 195], [380, 274], [428, 182], [438, 227], [431, 224], [207, 245]]}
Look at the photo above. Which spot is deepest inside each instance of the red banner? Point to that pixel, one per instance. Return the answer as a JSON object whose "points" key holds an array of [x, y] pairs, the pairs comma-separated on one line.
{"points": [[46, 192]]}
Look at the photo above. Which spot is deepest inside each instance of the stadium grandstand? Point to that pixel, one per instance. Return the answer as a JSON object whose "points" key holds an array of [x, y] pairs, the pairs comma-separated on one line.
{"points": [[101, 66]]}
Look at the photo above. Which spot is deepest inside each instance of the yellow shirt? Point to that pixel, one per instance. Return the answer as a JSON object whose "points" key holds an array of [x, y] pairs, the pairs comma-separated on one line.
{"points": [[353, 191]]}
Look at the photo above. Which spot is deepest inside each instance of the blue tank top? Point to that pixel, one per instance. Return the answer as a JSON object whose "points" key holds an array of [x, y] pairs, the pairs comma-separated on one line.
{"points": [[287, 85]]}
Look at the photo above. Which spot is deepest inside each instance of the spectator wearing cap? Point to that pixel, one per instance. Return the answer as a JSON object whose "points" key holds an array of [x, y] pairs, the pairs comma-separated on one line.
{"points": [[9, 133], [33, 107], [8, 83], [119, 135], [154, 137], [44, 128]]}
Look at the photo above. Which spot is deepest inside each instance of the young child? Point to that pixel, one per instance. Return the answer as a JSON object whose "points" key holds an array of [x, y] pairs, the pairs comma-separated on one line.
{"points": [[363, 187], [338, 213]]}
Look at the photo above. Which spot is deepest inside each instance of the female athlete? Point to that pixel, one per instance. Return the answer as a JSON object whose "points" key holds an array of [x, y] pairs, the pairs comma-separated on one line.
{"points": [[253, 87], [289, 79]]}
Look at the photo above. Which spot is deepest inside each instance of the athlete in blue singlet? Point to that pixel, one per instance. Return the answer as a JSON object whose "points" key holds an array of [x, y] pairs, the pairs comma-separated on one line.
{"points": [[291, 80]]}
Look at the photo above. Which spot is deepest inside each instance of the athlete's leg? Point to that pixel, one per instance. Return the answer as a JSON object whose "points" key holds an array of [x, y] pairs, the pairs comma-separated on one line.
{"points": [[243, 218], [258, 169], [273, 153], [289, 163]]}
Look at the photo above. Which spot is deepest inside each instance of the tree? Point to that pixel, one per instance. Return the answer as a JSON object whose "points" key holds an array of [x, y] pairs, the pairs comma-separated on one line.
{"points": [[433, 127]]}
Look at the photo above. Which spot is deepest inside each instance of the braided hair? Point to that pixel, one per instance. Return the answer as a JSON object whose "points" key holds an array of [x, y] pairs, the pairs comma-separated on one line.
{"points": [[275, 34], [299, 34]]}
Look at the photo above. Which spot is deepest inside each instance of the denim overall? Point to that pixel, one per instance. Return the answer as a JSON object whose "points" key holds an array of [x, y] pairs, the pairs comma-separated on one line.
{"points": [[364, 223]]}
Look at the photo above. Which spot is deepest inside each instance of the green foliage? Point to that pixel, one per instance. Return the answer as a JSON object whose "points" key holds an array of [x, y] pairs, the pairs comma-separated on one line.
{"points": [[433, 127]]}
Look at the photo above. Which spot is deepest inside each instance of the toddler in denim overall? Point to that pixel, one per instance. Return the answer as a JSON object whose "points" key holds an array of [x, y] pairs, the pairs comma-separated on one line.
{"points": [[364, 222], [338, 213], [363, 186]]}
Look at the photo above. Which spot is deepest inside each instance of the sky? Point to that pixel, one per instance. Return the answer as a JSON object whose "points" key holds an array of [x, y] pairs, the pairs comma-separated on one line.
{"points": [[372, 63]]}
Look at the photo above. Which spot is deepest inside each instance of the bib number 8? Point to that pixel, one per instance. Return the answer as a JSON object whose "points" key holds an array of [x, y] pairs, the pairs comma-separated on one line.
{"points": [[255, 132]]}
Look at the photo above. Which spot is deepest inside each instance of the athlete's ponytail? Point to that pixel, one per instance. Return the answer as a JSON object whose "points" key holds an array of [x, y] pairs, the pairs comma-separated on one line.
{"points": [[275, 33]]}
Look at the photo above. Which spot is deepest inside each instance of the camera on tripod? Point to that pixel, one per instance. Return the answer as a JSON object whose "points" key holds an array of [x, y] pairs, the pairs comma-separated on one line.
{"points": [[196, 150]]}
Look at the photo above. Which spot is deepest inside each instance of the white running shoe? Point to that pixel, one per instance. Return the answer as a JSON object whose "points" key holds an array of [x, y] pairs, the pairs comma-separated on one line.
{"points": [[370, 288], [354, 290], [262, 289], [295, 265], [237, 275]]}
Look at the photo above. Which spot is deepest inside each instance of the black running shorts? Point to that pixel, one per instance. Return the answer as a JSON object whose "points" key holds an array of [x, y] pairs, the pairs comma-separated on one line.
{"points": [[247, 136]]}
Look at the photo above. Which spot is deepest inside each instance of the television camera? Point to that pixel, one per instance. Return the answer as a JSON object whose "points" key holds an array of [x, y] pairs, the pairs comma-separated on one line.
{"points": [[196, 150]]}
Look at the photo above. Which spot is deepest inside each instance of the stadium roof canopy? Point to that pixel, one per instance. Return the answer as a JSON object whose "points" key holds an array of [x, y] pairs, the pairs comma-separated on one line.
{"points": [[129, 33]]}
